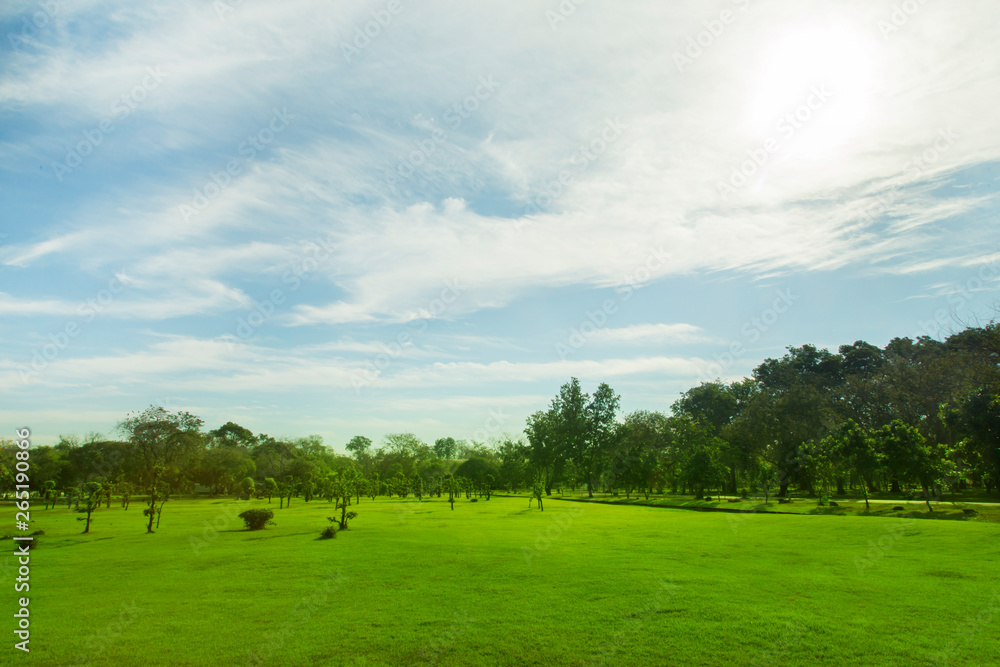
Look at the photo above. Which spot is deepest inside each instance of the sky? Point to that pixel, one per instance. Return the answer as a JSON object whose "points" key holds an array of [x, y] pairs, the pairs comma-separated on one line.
{"points": [[361, 218]]}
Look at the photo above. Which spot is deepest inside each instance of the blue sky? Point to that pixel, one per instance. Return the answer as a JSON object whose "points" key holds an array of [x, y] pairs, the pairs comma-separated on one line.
{"points": [[258, 212]]}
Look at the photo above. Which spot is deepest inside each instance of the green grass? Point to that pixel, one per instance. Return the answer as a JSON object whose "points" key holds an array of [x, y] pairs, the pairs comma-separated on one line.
{"points": [[947, 510], [494, 583]]}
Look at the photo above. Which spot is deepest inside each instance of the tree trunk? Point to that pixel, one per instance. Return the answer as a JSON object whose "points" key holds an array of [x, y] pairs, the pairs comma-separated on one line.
{"points": [[783, 489], [894, 488], [840, 486], [927, 497]]}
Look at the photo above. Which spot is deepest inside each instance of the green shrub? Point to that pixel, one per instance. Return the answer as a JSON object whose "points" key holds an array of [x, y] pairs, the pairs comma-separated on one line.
{"points": [[256, 519], [328, 532]]}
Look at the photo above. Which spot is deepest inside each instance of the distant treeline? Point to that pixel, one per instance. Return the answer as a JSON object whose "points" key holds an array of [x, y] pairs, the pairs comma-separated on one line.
{"points": [[915, 416]]}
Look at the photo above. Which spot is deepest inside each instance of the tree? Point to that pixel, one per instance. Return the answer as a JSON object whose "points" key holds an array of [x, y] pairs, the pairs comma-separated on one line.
{"points": [[451, 487], [359, 446], [221, 468], [343, 488], [445, 448], [232, 435], [544, 447], [858, 452], [476, 469], [49, 493], [270, 487], [247, 487], [92, 492], [976, 417], [600, 414], [161, 444], [702, 469], [712, 404], [906, 453], [538, 490]]}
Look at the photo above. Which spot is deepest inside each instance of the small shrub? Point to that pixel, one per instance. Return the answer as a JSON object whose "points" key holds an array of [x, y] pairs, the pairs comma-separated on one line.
{"points": [[351, 515], [256, 519], [328, 533], [834, 503], [898, 508], [473, 499], [708, 498]]}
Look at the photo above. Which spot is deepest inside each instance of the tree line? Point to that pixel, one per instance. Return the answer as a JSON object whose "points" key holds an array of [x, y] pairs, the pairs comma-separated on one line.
{"points": [[915, 416]]}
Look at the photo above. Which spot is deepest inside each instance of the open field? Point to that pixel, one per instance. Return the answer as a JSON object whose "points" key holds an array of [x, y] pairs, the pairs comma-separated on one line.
{"points": [[497, 583]]}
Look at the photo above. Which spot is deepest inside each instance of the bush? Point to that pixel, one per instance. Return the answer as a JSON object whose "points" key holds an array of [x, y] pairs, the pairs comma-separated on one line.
{"points": [[256, 519], [473, 499], [328, 532]]}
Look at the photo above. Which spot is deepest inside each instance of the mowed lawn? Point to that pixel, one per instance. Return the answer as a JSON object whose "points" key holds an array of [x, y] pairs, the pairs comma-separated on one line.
{"points": [[497, 583]]}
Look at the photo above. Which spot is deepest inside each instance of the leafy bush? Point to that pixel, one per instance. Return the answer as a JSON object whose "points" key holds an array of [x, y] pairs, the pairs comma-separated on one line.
{"points": [[256, 519], [328, 533], [351, 515]]}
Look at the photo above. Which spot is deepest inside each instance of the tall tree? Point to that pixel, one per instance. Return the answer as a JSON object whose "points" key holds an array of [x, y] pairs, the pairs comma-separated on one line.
{"points": [[161, 444]]}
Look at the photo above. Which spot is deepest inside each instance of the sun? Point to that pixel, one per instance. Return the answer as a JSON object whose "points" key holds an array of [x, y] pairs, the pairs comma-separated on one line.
{"points": [[813, 89]]}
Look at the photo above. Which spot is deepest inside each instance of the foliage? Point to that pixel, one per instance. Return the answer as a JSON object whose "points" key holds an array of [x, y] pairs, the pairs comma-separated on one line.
{"points": [[257, 518]]}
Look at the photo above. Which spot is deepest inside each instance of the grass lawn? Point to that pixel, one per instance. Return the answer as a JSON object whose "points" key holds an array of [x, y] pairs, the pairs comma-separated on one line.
{"points": [[496, 583], [942, 510]]}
